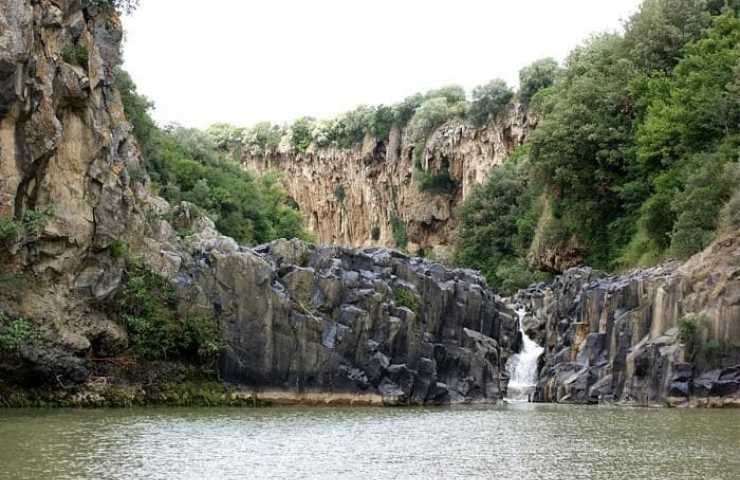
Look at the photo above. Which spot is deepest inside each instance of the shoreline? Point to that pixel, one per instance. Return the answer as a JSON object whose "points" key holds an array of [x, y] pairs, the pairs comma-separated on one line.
{"points": [[216, 394]]}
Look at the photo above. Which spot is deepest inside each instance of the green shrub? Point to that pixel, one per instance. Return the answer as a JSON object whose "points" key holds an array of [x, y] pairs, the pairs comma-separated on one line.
{"points": [[730, 216], [9, 229], [419, 151], [339, 193], [489, 102], [127, 6], [431, 115], [76, 55], [536, 77], [405, 298], [14, 334], [300, 134], [34, 221], [118, 249], [148, 305], [398, 229], [440, 183], [380, 122], [712, 352], [690, 330], [375, 233]]}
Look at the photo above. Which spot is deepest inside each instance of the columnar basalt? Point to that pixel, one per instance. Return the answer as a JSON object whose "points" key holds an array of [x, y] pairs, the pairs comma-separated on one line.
{"points": [[619, 338]]}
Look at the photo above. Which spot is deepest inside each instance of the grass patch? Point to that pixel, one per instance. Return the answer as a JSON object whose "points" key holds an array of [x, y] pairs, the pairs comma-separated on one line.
{"points": [[76, 55], [405, 298]]}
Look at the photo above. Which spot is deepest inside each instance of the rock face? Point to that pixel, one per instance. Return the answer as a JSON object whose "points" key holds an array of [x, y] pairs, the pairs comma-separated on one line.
{"points": [[332, 319], [66, 147], [294, 318], [618, 338], [354, 197]]}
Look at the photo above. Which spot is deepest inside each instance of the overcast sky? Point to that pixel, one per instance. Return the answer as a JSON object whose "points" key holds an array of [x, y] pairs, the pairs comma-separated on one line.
{"points": [[244, 61]]}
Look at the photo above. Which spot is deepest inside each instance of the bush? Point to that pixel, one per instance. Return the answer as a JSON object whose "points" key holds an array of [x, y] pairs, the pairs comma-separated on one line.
{"points": [[690, 331], [9, 229], [76, 55], [261, 138], [14, 334], [730, 216], [536, 77], [398, 229], [127, 6], [375, 233], [405, 298], [300, 134], [441, 183], [148, 305], [118, 249], [431, 115], [339, 193], [380, 122], [489, 101]]}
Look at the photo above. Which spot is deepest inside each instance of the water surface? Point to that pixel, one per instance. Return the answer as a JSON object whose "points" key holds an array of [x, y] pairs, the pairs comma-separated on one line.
{"points": [[524, 441]]}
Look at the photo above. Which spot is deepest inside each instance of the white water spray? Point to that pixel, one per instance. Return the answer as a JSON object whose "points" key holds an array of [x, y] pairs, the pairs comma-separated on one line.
{"points": [[522, 367]]}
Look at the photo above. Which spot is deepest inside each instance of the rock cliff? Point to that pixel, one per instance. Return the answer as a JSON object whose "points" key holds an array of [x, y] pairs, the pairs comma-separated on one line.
{"points": [[355, 196], [670, 334], [297, 321]]}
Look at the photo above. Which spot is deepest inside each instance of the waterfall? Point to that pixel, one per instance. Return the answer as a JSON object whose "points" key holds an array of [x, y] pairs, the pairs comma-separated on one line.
{"points": [[522, 367]]}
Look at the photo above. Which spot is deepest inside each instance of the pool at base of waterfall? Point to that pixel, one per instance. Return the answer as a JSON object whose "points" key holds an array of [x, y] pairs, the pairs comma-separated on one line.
{"points": [[521, 441]]}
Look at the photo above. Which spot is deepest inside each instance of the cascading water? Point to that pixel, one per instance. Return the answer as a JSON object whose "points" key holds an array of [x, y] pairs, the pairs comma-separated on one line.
{"points": [[522, 367]]}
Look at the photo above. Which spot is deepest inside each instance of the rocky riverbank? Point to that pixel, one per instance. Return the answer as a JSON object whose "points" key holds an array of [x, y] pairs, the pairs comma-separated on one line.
{"points": [[667, 335]]}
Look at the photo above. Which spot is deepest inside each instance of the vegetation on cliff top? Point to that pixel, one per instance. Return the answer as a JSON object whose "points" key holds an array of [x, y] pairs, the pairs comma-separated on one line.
{"points": [[636, 149], [186, 164]]}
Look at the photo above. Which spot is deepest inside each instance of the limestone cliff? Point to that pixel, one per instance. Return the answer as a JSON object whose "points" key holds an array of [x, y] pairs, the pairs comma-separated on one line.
{"points": [[619, 338], [328, 323], [354, 196]]}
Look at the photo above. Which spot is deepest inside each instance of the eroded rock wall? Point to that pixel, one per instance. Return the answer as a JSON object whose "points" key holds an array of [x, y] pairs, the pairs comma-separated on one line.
{"points": [[617, 338], [301, 321], [377, 183]]}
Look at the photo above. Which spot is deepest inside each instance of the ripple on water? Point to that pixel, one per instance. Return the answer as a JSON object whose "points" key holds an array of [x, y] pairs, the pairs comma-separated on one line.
{"points": [[525, 441]]}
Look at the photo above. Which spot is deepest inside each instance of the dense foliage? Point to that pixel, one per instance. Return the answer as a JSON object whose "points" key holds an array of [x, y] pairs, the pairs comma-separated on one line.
{"points": [[497, 225], [186, 164], [148, 304], [636, 149]]}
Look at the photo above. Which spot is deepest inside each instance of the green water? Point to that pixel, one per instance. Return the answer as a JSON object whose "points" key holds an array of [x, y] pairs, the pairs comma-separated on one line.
{"points": [[507, 442]]}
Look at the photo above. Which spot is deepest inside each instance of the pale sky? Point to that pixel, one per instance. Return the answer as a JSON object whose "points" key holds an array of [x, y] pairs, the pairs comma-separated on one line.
{"points": [[245, 61]]}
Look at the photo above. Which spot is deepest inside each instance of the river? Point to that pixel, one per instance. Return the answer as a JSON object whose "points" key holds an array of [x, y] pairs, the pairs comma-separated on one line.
{"points": [[520, 441]]}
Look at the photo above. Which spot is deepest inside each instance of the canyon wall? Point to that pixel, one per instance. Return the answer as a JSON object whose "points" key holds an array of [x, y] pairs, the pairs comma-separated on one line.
{"points": [[354, 196], [296, 322], [670, 334]]}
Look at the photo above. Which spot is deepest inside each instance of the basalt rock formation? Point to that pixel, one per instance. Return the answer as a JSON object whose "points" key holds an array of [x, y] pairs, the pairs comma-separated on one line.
{"points": [[625, 338], [354, 196], [297, 321]]}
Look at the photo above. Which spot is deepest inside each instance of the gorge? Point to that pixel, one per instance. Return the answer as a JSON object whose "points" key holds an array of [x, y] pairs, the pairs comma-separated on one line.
{"points": [[112, 295]]}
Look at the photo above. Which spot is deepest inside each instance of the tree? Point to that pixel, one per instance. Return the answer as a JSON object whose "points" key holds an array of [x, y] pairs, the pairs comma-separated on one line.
{"points": [[489, 101], [655, 35], [535, 77], [497, 226]]}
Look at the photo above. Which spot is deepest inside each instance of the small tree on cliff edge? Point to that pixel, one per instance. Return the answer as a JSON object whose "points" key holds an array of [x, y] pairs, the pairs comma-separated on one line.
{"points": [[126, 6]]}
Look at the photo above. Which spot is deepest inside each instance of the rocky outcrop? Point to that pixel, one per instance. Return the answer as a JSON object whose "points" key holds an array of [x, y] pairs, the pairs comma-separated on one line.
{"points": [[625, 339], [334, 320], [355, 196], [297, 321]]}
